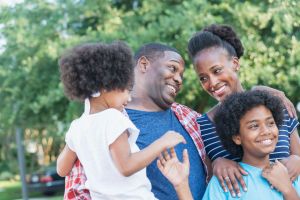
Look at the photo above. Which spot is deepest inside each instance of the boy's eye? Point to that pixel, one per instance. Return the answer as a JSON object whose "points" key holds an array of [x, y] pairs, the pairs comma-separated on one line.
{"points": [[253, 126], [271, 123]]}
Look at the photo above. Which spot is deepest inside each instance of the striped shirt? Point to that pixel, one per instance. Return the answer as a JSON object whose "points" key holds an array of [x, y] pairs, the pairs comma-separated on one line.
{"points": [[214, 148]]}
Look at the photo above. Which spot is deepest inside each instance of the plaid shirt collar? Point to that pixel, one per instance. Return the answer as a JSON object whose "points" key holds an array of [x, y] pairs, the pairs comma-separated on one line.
{"points": [[74, 182], [188, 118]]}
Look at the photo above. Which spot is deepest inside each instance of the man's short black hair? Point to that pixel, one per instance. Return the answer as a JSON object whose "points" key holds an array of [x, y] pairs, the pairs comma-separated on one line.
{"points": [[152, 51], [228, 116], [91, 67]]}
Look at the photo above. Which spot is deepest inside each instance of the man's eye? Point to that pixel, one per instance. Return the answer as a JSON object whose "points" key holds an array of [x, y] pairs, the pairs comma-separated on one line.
{"points": [[172, 68]]}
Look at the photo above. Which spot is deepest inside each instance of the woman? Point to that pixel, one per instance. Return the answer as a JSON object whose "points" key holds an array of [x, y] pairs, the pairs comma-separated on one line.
{"points": [[215, 52]]}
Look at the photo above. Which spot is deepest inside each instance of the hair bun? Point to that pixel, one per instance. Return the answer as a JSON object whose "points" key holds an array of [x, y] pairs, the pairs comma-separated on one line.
{"points": [[227, 34]]}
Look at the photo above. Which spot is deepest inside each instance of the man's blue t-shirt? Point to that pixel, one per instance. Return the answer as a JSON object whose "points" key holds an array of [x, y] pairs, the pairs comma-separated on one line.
{"points": [[152, 126]]}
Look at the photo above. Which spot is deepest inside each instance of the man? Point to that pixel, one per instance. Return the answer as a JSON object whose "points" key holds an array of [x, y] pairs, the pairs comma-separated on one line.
{"points": [[158, 79]]}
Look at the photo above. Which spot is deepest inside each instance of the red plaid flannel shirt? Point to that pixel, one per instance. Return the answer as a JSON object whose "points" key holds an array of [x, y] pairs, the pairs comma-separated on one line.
{"points": [[74, 182]]}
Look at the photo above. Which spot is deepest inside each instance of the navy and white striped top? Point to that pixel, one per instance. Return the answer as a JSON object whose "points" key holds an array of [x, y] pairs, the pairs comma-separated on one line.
{"points": [[214, 148]]}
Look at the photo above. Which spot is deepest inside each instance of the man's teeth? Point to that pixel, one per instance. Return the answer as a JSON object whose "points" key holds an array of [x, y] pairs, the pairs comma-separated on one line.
{"points": [[266, 142], [172, 88]]}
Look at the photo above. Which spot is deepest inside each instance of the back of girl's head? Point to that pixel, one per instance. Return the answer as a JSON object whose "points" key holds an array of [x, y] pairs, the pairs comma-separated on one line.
{"points": [[152, 51], [217, 36], [91, 67], [228, 116]]}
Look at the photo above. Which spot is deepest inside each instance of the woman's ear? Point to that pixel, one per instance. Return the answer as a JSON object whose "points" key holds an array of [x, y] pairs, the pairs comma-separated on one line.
{"points": [[236, 63], [237, 139], [143, 64]]}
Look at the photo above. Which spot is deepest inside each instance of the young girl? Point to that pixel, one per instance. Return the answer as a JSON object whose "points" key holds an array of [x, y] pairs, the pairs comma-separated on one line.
{"points": [[103, 139], [247, 124]]}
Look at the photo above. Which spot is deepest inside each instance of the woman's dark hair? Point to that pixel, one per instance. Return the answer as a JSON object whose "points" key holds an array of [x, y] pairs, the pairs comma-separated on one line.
{"points": [[91, 67], [216, 36], [228, 116]]}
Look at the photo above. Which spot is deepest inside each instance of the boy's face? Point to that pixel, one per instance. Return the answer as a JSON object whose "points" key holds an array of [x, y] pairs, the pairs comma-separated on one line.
{"points": [[258, 133]]}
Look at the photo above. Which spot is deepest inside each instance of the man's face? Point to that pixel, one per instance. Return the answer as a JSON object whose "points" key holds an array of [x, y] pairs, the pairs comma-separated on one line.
{"points": [[164, 78]]}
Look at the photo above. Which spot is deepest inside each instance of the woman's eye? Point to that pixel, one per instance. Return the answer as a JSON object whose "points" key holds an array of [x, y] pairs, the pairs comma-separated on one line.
{"points": [[218, 71], [202, 79]]}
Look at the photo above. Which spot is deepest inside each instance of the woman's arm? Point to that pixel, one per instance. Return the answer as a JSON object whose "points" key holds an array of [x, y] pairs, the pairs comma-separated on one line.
{"points": [[229, 173], [129, 163], [65, 161], [292, 163], [287, 103]]}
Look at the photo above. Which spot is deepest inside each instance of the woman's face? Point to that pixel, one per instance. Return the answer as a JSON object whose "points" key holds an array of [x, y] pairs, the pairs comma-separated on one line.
{"points": [[217, 72]]}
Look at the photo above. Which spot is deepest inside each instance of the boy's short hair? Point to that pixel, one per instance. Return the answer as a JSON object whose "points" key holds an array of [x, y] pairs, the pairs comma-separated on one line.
{"points": [[88, 68], [228, 116]]}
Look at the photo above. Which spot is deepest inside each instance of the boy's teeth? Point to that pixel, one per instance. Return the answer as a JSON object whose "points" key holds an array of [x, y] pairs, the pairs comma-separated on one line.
{"points": [[266, 142]]}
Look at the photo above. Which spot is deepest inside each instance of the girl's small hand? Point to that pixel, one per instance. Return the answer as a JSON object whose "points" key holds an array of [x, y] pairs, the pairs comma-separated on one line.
{"points": [[175, 171], [230, 173], [292, 164], [171, 139]]}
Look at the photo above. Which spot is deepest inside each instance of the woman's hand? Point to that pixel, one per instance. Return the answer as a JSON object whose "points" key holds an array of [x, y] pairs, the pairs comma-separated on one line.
{"points": [[230, 173], [292, 164]]}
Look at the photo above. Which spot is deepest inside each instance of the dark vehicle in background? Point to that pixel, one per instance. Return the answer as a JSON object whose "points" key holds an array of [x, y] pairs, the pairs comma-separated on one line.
{"points": [[46, 181]]}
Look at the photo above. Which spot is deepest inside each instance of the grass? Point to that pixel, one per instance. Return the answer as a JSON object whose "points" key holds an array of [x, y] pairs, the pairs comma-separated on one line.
{"points": [[11, 190]]}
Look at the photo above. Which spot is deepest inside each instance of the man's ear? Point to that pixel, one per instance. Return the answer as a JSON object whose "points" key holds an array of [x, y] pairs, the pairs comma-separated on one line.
{"points": [[236, 63], [237, 139], [143, 64]]}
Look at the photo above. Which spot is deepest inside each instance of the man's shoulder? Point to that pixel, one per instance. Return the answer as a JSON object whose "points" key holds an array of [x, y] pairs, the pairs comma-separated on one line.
{"points": [[177, 107]]}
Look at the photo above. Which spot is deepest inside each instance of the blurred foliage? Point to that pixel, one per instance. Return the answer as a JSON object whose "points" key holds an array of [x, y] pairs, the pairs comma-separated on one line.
{"points": [[36, 32]]}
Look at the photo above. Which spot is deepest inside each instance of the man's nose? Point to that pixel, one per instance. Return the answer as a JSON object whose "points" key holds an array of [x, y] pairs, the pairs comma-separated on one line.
{"points": [[178, 78]]}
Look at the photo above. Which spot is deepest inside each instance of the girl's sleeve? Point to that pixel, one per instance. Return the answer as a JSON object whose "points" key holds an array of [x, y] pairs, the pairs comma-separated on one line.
{"points": [[118, 124]]}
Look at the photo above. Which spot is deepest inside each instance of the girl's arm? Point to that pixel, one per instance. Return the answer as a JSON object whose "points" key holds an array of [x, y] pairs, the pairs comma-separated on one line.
{"points": [[65, 161], [129, 163], [292, 163]]}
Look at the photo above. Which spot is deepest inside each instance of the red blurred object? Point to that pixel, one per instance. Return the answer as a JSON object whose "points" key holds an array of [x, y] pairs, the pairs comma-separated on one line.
{"points": [[46, 179]]}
